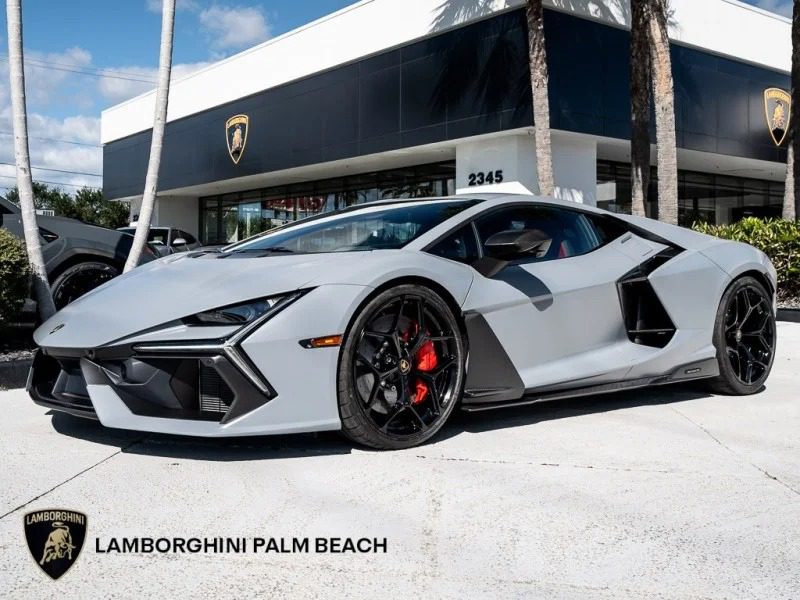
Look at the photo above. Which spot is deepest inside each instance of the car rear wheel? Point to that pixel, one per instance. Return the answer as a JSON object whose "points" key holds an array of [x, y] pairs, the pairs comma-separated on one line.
{"points": [[745, 338], [401, 370], [79, 279]]}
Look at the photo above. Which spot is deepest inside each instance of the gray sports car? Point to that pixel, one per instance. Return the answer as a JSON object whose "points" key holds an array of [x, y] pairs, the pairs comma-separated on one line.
{"points": [[380, 319], [78, 257]]}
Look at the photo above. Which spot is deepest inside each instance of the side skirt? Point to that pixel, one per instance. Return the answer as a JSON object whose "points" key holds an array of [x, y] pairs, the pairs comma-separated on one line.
{"points": [[691, 372]]}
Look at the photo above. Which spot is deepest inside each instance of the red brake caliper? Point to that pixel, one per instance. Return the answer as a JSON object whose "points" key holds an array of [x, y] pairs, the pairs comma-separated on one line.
{"points": [[425, 361]]}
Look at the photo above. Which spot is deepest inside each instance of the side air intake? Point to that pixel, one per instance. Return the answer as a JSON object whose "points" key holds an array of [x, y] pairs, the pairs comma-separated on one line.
{"points": [[646, 320]]}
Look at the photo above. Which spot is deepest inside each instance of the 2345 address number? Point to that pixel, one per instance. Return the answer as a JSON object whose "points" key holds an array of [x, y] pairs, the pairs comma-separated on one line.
{"points": [[485, 177]]}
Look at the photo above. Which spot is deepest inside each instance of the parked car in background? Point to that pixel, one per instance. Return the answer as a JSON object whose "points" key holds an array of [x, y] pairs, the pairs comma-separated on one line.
{"points": [[78, 257], [168, 240]]}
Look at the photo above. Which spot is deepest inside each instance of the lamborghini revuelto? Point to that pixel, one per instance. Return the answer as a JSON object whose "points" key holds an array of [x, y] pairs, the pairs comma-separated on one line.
{"points": [[380, 319]]}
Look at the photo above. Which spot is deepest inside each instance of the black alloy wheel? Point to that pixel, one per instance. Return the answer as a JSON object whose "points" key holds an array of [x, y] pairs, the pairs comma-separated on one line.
{"points": [[401, 370], [745, 338], [80, 279]]}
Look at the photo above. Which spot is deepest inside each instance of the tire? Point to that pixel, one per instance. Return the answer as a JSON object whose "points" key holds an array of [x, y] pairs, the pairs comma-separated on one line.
{"points": [[79, 279], [745, 338], [401, 369]]}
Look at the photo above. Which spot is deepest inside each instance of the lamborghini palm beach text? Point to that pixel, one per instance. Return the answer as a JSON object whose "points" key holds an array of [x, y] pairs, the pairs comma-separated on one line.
{"points": [[381, 319]]}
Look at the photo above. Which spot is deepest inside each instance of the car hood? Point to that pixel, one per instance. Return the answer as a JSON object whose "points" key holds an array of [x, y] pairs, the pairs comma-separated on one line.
{"points": [[178, 286]]}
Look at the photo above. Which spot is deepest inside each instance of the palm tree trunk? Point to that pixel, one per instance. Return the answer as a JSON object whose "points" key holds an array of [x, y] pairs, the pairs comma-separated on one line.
{"points": [[789, 208], [791, 195], [41, 286], [160, 121], [640, 106], [664, 100], [537, 57]]}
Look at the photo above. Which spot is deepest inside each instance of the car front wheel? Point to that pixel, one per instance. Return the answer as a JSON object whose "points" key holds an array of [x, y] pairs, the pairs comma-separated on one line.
{"points": [[401, 370], [80, 279]]}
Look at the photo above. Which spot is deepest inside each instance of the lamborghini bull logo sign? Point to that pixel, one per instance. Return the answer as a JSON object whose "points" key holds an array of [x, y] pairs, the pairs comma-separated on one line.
{"points": [[55, 538], [778, 109], [236, 129]]}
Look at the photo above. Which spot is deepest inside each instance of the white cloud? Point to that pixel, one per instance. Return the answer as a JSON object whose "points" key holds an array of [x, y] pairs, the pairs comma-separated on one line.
{"points": [[234, 27], [782, 7], [52, 154]]}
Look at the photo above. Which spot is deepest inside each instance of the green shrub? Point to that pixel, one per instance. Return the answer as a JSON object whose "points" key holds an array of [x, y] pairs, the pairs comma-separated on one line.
{"points": [[14, 276], [777, 238]]}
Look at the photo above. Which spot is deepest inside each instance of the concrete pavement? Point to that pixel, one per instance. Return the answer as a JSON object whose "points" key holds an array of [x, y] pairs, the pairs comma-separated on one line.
{"points": [[668, 493]]}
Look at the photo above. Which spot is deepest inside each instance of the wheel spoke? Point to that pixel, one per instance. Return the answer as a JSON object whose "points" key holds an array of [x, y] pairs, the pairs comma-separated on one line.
{"points": [[445, 365], [433, 391], [395, 412], [373, 394], [398, 317], [414, 412]]}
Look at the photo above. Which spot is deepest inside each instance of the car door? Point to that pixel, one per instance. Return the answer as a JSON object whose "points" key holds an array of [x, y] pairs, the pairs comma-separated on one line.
{"points": [[557, 314]]}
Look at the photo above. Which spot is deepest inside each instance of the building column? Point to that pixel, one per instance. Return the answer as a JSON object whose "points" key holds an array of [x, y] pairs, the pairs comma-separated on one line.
{"points": [[575, 168], [479, 161]]}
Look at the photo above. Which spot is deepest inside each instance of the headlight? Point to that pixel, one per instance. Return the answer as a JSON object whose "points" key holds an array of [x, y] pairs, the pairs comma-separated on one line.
{"points": [[241, 314]]}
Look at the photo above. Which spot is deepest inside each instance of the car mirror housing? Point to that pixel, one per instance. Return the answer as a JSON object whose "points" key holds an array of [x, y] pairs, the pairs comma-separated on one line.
{"points": [[518, 243]]}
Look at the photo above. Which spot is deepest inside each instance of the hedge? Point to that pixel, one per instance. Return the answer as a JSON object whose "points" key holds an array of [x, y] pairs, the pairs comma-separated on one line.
{"points": [[777, 238], [14, 276]]}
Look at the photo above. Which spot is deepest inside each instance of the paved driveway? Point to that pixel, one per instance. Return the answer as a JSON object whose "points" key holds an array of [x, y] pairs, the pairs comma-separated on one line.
{"points": [[668, 494]]}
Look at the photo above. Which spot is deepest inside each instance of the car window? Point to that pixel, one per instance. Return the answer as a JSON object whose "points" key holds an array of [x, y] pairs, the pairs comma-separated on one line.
{"points": [[460, 246], [608, 228], [186, 236], [572, 232], [158, 236]]}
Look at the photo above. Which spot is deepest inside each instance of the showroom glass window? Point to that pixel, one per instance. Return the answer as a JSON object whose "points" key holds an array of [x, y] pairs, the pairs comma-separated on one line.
{"points": [[717, 199], [234, 217]]}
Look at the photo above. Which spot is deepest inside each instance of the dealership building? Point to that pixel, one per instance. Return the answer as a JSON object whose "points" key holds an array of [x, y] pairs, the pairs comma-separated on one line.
{"points": [[402, 98]]}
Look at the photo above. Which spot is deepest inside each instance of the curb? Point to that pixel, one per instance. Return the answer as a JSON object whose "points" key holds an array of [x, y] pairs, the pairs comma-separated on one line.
{"points": [[14, 373], [791, 315]]}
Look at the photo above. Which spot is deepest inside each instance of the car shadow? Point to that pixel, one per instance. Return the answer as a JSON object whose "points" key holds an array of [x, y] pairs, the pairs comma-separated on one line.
{"points": [[331, 443]]}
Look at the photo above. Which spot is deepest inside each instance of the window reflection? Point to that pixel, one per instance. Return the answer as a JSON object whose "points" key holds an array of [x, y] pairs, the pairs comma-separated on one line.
{"points": [[234, 217], [702, 197]]}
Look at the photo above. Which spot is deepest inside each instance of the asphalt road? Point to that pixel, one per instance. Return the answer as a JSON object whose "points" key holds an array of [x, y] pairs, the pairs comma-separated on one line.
{"points": [[670, 493]]}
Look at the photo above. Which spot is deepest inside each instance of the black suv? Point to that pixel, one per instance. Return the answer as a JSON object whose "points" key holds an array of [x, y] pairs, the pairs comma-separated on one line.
{"points": [[78, 257]]}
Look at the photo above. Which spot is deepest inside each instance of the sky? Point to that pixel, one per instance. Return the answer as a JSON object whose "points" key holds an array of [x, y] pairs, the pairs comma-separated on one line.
{"points": [[85, 55]]}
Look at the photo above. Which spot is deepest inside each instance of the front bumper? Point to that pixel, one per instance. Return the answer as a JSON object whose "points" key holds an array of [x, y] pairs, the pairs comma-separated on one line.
{"points": [[272, 385]]}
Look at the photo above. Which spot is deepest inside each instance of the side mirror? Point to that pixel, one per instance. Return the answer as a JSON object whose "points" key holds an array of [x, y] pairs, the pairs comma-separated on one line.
{"points": [[518, 243], [179, 242]]}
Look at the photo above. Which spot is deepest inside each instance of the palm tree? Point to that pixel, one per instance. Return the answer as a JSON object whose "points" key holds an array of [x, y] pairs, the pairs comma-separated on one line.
{"points": [[537, 57], [160, 120], [791, 195], [640, 106], [664, 100], [23, 160]]}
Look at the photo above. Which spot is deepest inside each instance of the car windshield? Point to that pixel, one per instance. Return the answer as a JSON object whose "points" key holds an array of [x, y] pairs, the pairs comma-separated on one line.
{"points": [[378, 227]]}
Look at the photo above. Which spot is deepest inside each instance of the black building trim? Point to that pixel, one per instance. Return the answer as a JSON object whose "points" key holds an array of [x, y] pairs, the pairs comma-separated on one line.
{"points": [[463, 82]]}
